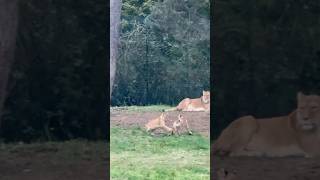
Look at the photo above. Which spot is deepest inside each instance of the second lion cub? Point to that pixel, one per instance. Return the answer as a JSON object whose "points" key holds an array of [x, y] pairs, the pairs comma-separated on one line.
{"points": [[180, 122]]}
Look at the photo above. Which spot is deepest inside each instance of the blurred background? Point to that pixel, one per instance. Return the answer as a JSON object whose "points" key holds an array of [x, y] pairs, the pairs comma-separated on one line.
{"points": [[264, 53], [57, 83]]}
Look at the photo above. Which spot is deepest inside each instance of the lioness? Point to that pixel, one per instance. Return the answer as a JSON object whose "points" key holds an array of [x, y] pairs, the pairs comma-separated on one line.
{"points": [[198, 104], [158, 123], [296, 134], [180, 122]]}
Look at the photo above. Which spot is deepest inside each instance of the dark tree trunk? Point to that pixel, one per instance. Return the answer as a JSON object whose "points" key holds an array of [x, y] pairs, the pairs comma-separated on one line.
{"points": [[8, 31], [115, 12]]}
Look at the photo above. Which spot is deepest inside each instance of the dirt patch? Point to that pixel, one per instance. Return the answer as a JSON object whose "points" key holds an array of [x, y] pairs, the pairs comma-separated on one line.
{"points": [[252, 168], [52, 164], [199, 121]]}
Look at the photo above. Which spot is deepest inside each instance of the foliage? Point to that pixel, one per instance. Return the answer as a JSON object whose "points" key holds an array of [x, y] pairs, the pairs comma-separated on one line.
{"points": [[137, 155], [58, 87], [164, 54], [265, 52]]}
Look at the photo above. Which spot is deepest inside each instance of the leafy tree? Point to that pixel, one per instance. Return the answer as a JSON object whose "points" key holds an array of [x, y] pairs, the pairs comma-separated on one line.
{"points": [[163, 59]]}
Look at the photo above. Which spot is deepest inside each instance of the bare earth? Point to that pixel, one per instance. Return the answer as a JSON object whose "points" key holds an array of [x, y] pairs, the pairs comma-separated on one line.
{"points": [[290, 168], [42, 163], [199, 121]]}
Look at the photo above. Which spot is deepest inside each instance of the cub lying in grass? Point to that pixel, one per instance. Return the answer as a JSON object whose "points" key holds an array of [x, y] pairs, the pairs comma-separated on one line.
{"points": [[157, 123]]}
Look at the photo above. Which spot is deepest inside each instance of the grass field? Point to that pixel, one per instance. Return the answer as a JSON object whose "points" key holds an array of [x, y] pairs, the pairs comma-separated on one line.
{"points": [[135, 155]]}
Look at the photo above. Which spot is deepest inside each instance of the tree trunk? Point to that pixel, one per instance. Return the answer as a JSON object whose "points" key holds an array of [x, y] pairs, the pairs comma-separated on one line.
{"points": [[8, 32], [115, 12]]}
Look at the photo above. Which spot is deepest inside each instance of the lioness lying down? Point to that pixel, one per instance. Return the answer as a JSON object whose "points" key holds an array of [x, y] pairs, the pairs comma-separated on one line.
{"points": [[198, 104], [296, 134]]}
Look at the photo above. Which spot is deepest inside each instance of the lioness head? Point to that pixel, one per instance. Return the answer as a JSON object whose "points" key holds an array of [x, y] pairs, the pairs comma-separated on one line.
{"points": [[205, 97], [308, 112]]}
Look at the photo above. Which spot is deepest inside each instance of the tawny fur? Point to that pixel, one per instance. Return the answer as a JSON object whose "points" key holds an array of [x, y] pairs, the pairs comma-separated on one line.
{"points": [[181, 121], [296, 134], [158, 123], [198, 104]]}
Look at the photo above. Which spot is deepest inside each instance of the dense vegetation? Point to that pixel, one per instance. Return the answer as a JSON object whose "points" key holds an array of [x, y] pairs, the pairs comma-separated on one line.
{"points": [[58, 85], [164, 54], [264, 52]]}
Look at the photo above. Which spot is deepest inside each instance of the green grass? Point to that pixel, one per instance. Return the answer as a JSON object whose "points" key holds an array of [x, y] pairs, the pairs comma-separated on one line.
{"points": [[152, 108], [135, 155]]}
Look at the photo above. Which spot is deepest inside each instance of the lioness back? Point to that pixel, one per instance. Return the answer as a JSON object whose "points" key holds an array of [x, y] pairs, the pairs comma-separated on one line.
{"points": [[197, 104], [190, 105]]}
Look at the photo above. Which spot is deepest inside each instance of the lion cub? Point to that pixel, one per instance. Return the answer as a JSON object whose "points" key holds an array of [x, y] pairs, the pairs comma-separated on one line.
{"points": [[178, 123], [158, 123], [198, 104]]}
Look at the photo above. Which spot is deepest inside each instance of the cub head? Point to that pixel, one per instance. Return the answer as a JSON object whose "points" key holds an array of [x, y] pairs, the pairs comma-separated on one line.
{"points": [[205, 97], [308, 112]]}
